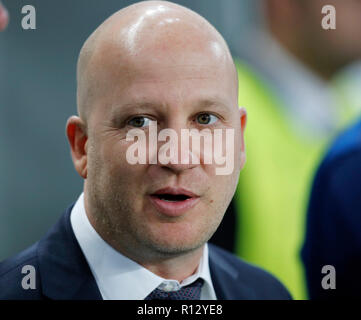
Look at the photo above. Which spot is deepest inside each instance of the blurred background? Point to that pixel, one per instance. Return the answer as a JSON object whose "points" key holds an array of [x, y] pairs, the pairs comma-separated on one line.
{"points": [[300, 84]]}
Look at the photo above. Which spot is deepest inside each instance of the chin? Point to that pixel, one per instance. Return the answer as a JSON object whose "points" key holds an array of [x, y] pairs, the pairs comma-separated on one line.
{"points": [[177, 241], [175, 248]]}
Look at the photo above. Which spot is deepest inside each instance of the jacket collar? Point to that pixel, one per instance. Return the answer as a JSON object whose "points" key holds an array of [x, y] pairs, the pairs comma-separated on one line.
{"points": [[227, 279], [65, 273]]}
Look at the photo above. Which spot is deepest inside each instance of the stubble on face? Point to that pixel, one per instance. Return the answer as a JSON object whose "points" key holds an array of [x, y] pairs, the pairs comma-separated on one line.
{"points": [[121, 216]]}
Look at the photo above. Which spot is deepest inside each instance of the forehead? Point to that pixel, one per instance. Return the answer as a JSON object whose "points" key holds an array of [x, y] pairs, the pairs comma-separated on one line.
{"points": [[166, 63], [166, 87], [165, 66]]}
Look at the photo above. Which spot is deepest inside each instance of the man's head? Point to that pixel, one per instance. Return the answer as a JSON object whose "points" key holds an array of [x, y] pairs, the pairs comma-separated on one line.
{"points": [[153, 61], [297, 24]]}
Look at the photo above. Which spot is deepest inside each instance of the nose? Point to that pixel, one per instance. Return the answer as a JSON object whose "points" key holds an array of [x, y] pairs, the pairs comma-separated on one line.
{"points": [[178, 166], [175, 152]]}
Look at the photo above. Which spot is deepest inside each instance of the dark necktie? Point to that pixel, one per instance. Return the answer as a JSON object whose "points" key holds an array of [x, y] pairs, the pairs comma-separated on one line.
{"points": [[190, 292]]}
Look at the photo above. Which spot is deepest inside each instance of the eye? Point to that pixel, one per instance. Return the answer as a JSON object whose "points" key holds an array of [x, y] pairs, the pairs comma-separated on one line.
{"points": [[206, 118], [139, 122]]}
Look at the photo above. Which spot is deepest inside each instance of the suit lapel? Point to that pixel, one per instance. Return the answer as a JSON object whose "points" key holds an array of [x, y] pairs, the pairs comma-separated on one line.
{"points": [[65, 273], [226, 279]]}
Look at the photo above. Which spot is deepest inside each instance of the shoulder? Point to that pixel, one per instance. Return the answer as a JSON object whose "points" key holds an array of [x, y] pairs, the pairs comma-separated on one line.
{"points": [[340, 171], [18, 273], [348, 140], [335, 202], [249, 281], [346, 145]]}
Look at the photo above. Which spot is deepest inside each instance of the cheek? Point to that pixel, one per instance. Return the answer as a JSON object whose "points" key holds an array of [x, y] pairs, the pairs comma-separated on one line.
{"points": [[227, 184], [227, 156], [107, 162]]}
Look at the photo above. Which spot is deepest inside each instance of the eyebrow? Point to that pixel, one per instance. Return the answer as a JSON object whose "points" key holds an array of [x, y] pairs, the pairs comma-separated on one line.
{"points": [[213, 103], [147, 106], [127, 108]]}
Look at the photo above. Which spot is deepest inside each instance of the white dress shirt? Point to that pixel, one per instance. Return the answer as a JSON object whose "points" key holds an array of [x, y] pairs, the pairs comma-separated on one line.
{"points": [[120, 278]]}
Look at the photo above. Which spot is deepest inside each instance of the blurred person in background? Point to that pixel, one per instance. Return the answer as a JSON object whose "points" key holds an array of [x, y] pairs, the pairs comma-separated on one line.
{"points": [[333, 237], [4, 17], [288, 69]]}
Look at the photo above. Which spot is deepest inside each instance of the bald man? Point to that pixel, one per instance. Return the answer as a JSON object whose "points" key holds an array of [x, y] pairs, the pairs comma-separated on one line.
{"points": [[140, 231]]}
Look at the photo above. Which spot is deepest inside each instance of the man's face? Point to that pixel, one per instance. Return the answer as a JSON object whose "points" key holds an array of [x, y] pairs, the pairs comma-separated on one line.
{"points": [[180, 88]]}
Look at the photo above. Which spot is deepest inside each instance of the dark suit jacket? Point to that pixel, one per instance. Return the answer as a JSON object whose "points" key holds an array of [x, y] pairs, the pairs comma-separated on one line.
{"points": [[62, 272], [333, 234]]}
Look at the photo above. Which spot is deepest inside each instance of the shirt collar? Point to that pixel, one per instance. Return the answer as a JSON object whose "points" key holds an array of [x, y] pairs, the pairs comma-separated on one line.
{"points": [[120, 278]]}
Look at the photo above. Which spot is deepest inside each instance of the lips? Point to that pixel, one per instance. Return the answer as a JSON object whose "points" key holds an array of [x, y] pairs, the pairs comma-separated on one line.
{"points": [[173, 202]]}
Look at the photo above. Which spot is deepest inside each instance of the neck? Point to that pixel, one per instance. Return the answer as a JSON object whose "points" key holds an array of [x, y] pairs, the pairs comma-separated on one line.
{"points": [[176, 268]]}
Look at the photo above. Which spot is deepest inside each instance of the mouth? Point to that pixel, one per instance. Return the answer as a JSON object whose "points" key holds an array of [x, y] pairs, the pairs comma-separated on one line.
{"points": [[172, 197], [173, 201]]}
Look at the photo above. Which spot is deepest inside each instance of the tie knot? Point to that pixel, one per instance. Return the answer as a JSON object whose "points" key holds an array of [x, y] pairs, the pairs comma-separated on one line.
{"points": [[189, 292]]}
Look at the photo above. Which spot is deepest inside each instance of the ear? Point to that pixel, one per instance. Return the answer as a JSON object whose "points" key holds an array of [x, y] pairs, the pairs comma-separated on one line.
{"points": [[243, 118], [77, 136]]}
